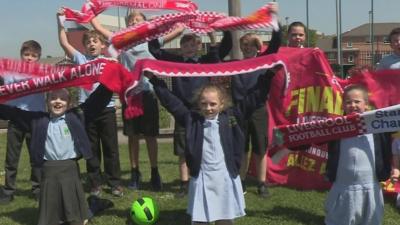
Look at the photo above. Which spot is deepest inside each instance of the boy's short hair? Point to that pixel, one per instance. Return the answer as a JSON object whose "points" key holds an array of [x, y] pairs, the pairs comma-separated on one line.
{"points": [[395, 31], [296, 24], [358, 87], [134, 13], [190, 37], [253, 38], [31, 45], [93, 34]]}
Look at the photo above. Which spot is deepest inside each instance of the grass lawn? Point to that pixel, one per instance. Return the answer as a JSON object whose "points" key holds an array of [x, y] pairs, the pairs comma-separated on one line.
{"points": [[284, 206]]}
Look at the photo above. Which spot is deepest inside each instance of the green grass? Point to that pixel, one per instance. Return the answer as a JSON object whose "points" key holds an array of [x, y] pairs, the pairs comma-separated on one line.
{"points": [[284, 206]]}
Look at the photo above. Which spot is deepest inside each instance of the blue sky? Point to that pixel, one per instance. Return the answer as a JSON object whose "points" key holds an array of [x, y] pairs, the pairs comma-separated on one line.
{"points": [[22, 20]]}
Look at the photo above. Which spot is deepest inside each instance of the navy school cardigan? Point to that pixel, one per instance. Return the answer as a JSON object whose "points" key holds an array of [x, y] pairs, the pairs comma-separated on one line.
{"points": [[232, 138], [37, 123]]}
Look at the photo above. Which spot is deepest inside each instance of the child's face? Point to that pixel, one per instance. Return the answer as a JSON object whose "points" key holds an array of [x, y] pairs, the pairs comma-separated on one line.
{"points": [[354, 102], [189, 49], [30, 56], [395, 43], [296, 36], [248, 48], [58, 102], [94, 46], [136, 19], [210, 104]]}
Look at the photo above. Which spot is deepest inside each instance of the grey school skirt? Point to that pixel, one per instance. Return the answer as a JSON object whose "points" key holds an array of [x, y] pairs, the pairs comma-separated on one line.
{"points": [[61, 194]]}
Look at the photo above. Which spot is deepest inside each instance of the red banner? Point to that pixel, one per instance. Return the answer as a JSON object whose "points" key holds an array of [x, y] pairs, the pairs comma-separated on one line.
{"points": [[314, 93]]}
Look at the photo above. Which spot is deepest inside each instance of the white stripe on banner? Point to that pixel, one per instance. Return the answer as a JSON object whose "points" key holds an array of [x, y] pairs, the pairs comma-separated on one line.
{"points": [[382, 120]]}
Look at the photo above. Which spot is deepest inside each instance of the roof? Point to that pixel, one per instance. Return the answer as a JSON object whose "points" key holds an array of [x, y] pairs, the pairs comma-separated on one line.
{"points": [[326, 43], [380, 29]]}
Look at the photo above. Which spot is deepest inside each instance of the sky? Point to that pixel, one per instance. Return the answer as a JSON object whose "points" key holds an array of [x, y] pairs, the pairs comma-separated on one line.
{"points": [[23, 20]]}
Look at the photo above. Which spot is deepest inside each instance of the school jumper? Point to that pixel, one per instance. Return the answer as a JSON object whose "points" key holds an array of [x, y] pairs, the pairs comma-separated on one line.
{"points": [[61, 194], [213, 152]]}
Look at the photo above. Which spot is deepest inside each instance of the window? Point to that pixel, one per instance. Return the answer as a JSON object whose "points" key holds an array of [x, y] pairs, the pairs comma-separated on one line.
{"points": [[349, 44], [369, 56], [331, 56], [386, 40], [350, 59]]}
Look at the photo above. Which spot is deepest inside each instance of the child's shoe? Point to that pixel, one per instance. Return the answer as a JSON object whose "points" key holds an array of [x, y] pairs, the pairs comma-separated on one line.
{"points": [[155, 179], [95, 191], [117, 191], [134, 184], [262, 190]]}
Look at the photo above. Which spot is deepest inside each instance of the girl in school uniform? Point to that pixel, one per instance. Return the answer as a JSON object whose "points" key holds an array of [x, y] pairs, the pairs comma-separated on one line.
{"points": [[214, 146], [59, 139]]}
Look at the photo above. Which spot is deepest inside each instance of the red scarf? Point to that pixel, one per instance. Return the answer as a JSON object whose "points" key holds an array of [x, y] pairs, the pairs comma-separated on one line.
{"points": [[94, 7], [199, 22], [115, 77]]}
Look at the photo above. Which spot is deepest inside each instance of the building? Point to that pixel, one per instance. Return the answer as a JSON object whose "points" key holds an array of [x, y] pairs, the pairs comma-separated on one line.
{"points": [[356, 45]]}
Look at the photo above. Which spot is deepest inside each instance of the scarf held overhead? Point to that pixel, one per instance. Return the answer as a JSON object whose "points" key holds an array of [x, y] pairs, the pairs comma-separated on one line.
{"points": [[116, 78], [43, 77], [198, 22], [94, 7]]}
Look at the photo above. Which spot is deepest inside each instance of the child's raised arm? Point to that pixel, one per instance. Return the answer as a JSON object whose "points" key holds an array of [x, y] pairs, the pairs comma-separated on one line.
{"points": [[62, 36], [100, 28], [167, 99]]}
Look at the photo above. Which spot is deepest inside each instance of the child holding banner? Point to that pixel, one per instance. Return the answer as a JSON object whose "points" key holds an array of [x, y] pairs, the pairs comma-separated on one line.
{"points": [[103, 130], [147, 124], [355, 166], [58, 140], [214, 147]]}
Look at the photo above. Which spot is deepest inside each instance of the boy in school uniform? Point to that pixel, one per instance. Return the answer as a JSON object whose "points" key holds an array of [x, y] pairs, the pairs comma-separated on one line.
{"points": [[102, 131], [30, 52]]}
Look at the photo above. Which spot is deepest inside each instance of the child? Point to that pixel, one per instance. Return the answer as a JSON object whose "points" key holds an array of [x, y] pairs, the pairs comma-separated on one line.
{"points": [[102, 130], [183, 87], [296, 35], [355, 166], [255, 128], [148, 123], [392, 61], [30, 52], [59, 139], [214, 146]]}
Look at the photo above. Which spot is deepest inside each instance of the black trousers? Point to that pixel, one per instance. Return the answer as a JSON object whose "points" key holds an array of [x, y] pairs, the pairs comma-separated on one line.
{"points": [[15, 138], [103, 136]]}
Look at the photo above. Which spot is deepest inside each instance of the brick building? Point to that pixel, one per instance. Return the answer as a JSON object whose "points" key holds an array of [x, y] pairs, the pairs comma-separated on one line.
{"points": [[356, 45]]}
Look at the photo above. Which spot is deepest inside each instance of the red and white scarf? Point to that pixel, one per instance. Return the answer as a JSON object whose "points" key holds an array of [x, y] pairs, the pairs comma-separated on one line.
{"points": [[376, 121], [94, 7], [115, 77], [198, 22]]}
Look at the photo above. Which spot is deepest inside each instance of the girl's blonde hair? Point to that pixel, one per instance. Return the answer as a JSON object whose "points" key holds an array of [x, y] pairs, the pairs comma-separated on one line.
{"points": [[223, 95], [253, 39]]}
